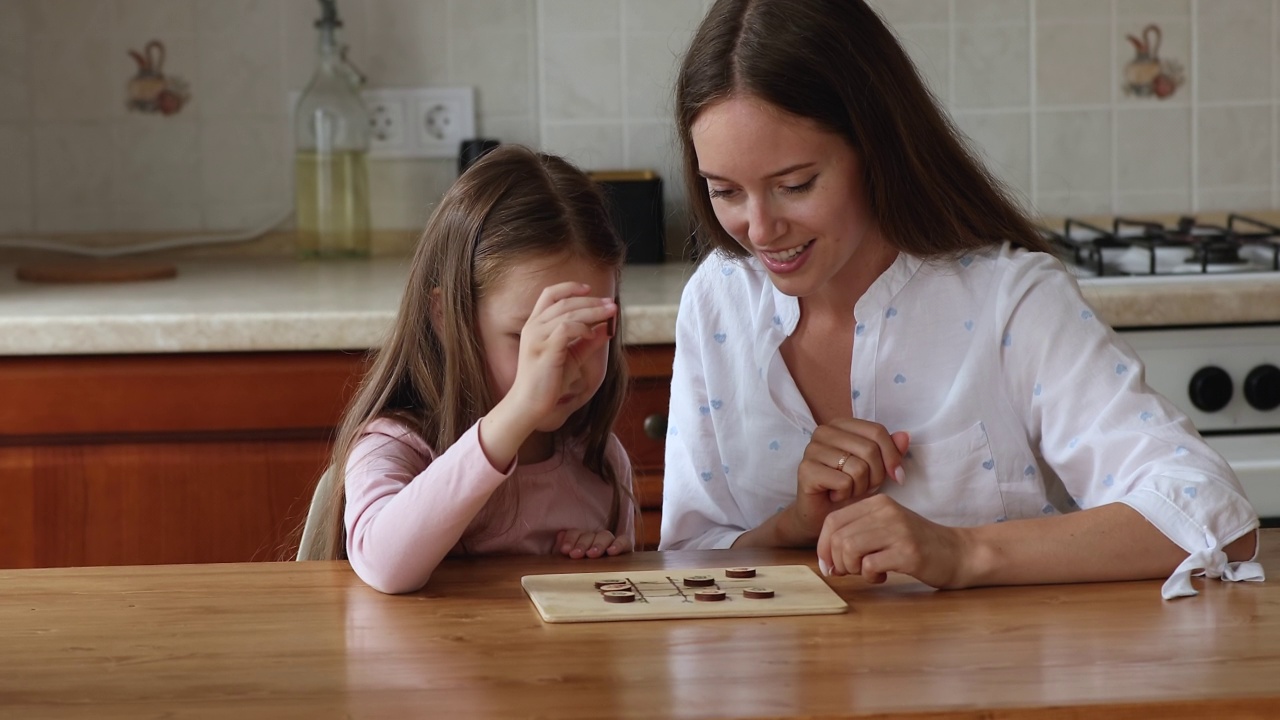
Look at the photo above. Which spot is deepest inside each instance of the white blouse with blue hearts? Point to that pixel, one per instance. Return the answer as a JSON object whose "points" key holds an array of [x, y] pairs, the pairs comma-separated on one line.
{"points": [[1020, 402]]}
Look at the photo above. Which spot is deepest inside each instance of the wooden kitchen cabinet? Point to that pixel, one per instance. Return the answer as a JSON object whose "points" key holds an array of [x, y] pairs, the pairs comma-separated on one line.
{"points": [[145, 459]]}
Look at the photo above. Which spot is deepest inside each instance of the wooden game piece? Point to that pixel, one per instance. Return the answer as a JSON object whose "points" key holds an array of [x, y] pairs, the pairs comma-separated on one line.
{"points": [[757, 593], [601, 583], [619, 596], [615, 586], [699, 581], [740, 572], [709, 595]]}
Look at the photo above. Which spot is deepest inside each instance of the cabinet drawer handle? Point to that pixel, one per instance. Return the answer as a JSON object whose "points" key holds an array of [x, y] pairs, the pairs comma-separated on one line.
{"points": [[655, 426]]}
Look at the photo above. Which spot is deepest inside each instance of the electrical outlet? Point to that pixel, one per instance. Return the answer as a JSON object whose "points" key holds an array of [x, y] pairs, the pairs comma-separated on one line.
{"points": [[443, 118], [416, 122], [388, 122]]}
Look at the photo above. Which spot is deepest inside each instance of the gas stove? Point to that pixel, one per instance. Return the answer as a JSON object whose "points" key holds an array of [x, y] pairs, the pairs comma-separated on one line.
{"points": [[1137, 247], [1224, 377]]}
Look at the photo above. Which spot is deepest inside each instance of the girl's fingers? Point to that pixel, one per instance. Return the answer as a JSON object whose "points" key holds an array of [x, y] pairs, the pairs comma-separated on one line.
{"points": [[588, 544], [568, 540], [555, 293]]}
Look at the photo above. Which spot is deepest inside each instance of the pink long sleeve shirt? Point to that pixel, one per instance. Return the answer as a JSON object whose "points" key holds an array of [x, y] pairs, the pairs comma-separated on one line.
{"points": [[407, 508]]}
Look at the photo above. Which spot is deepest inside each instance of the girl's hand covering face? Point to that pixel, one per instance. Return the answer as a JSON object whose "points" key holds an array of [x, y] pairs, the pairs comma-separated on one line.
{"points": [[588, 544], [565, 328]]}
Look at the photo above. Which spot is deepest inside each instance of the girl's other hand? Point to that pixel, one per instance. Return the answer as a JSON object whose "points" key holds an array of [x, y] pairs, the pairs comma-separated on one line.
{"points": [[846, 461], [587, 544]]}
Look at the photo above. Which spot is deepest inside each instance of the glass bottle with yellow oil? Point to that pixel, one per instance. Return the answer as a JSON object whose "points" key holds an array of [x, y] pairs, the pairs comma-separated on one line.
{"points": [[331, 131]]}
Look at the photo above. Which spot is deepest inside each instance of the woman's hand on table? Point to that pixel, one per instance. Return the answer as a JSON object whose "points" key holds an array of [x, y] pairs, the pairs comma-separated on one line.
{"points": [[878, 536], [588, 544]]}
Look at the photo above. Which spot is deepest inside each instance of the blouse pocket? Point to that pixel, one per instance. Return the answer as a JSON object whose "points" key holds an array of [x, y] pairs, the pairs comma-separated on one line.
{"points": [[952, 482]]}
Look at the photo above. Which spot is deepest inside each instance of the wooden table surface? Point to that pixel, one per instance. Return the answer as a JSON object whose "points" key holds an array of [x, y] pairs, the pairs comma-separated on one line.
{"points": [[309, 640]]}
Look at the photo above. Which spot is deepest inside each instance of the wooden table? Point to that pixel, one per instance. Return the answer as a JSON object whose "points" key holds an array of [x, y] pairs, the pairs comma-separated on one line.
{"points": [[309, 640]]}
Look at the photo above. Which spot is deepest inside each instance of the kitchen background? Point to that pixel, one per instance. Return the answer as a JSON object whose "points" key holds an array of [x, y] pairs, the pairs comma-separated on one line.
{"points": [[1075, 114]]}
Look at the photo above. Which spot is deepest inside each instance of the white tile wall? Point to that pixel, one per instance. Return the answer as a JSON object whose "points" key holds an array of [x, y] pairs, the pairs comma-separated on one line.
{"points": [[1036, 85]]}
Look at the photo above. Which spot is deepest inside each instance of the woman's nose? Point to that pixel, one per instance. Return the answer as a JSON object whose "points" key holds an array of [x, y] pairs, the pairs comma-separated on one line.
{"points": [[763, 224]]}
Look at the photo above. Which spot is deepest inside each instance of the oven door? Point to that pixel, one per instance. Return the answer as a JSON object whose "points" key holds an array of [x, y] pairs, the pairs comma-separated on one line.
{"points": [[1256, 460]]}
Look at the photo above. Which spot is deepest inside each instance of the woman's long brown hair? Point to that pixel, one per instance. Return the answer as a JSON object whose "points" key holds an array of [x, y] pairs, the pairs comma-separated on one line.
{"points": [[511, 206], [836, 63]]}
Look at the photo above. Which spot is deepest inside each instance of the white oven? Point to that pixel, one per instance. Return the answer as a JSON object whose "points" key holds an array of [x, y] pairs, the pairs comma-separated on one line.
{"points": [[1226, 378]]}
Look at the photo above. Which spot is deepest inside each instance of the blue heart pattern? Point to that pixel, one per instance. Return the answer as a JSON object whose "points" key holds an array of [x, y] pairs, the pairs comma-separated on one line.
{"points": [[988, 464], [725, 468], [968, 325], [717, 404], [966, 261], [775, 445], [899, 379], [1180, 450], [706, 476], [1122, 369], [1189, 492], [1109, 480], [720, 337], [1145, 416], [1074, 442], [857, 330], [704, 410], [1036, 391], [1007, 340], [1086, 315], [1047, 509], [1029, 470], [726, 271], [857, 394], [891, 312], [777, 319], [671, 430]]}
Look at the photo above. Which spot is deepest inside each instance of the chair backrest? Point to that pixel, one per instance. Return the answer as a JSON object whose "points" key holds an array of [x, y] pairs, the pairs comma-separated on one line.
{"points": [[318, 516]]}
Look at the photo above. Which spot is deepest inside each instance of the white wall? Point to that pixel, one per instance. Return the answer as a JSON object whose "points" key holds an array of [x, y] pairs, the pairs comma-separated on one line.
{"points": [[1036, 84]]}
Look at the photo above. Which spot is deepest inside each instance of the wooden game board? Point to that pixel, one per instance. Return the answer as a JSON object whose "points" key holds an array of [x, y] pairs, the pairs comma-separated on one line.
{"points": [[662, 594]]}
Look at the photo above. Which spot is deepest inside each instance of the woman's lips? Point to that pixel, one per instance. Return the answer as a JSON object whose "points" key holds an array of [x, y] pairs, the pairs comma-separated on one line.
{"points": [[788, 260]]}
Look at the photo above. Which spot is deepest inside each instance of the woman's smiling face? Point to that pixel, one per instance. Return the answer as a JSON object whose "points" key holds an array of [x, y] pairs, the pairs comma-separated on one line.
{"points": [[787, 190]]}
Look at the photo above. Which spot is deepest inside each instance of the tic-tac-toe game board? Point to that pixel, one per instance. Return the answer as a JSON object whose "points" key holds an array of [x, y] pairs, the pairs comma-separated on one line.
{"points": [[665, 594]]}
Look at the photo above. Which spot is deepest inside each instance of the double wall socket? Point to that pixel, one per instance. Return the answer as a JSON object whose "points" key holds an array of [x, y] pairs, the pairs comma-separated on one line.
{"points": [[417, 122], [422, 122]]}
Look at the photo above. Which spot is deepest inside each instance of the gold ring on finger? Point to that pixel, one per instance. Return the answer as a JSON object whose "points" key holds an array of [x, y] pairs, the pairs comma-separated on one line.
{"points": [[840, 463]]}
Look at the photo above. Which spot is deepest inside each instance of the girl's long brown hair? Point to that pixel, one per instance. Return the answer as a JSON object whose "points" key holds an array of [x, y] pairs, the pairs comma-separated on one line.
{"points": [[511, 206], [837, 64]]}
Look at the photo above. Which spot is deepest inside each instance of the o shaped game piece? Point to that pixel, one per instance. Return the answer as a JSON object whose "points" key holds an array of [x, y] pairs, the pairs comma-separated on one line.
{"points": [[757, 593], [709, 595], [619, 596], [615, 586], [740, 572], [602, 583], [699, 581]]}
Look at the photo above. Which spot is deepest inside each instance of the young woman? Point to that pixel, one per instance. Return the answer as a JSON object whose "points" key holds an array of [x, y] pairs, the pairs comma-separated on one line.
{"points": [[881, 357]]}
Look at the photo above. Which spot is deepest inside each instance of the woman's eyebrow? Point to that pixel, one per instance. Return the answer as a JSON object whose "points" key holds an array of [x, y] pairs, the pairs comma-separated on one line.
{"points": [[784, 171]]}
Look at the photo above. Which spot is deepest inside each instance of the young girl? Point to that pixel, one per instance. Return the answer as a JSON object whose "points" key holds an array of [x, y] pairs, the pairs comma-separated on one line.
{"points": [[484, 425]]}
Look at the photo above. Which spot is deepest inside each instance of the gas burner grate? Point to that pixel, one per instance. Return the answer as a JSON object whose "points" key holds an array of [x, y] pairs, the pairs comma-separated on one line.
{"points": [[1135, 246]]}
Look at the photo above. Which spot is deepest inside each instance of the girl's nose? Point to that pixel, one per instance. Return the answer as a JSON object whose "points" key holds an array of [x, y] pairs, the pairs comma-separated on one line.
{"points": [[763, 224]]}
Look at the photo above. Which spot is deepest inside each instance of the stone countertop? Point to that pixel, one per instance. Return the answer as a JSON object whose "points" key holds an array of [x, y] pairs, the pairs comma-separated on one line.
{"points": [[260, 304], [271, 304]]}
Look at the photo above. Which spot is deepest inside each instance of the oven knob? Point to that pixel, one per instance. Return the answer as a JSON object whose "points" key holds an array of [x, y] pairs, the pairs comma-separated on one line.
{"points": [[1262, 387], [1210, 388]]}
